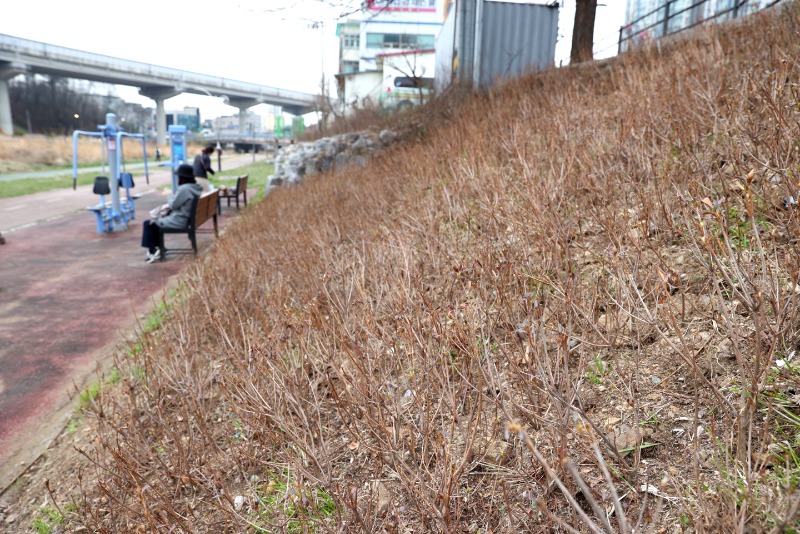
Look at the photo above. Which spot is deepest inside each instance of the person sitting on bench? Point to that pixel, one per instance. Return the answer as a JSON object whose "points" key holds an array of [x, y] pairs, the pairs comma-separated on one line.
{"points": [[180, 211]]}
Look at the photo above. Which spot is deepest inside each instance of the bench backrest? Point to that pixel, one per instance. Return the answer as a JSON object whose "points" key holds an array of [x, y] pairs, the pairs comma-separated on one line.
{"points": [[206, 207], [241, 184]]}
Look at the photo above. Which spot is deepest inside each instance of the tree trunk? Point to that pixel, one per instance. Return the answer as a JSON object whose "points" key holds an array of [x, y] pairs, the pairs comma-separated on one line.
{"points": [[583, 31]]}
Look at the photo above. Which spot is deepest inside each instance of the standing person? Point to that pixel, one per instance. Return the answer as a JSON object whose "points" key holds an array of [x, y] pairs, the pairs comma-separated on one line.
{"points": [[158, 154], [202, 166], [180, 210]]}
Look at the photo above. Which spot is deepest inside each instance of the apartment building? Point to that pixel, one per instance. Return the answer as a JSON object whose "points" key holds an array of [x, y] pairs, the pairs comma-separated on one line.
{"points": [[389, 26], [188, 116], [349, 34]]}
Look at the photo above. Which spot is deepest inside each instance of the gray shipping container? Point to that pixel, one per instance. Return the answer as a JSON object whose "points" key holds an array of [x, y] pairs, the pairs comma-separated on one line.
{"points": [[510, 39], [513, 39]]}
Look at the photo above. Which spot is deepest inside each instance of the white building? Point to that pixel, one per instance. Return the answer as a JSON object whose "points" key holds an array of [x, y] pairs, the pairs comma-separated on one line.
{"points": [[395, 40], [349, 34], [359, 90], [253, 123], [397, 25]]}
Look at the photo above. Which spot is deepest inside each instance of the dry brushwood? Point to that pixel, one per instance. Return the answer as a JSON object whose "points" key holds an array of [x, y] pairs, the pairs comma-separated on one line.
{"points": [[568, 303]]}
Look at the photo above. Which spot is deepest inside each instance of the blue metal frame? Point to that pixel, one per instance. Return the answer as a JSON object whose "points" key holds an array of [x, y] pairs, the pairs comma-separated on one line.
{"points": [[113, 215]]}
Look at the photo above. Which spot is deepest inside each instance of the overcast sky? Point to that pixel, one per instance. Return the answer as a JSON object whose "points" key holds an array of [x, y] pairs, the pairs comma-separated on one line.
{"points": [[280, 43]]}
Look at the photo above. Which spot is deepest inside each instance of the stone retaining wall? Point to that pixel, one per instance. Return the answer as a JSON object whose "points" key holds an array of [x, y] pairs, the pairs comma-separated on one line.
{"points": [[298, 160]]}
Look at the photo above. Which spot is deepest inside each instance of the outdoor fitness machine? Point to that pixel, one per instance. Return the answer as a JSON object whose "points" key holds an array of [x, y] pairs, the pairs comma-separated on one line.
{"points": [[111, 216], [177, 139]]}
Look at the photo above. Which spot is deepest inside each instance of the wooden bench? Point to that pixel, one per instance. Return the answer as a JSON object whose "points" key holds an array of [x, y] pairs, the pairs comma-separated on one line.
{"points": [[203, 209], [235, 192]]}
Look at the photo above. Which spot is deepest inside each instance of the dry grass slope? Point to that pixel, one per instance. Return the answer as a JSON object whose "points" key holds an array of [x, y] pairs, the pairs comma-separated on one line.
{"points": [[559, 307]]}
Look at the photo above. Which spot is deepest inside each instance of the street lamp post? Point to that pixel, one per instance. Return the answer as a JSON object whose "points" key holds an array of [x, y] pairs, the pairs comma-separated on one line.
{"points": [[253, 133]]}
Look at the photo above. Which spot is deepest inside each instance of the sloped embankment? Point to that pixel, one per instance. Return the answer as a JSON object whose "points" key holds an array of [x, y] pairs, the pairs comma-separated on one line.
{"points": [[564, 298]]}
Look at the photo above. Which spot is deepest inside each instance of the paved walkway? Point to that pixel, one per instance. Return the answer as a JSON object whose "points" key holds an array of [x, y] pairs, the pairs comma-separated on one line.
{"points": [[68, 297]]}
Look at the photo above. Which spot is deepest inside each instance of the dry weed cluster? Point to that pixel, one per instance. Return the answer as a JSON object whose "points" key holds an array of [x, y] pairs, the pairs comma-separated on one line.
{"points": [[570, 304], [20, 153]]}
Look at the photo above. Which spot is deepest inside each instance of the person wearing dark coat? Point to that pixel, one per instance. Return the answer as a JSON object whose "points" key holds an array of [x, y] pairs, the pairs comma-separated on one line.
{"points": [[180, 204], [202, 167]]}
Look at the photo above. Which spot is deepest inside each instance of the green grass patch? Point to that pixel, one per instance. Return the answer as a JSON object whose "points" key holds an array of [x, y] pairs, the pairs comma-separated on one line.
{"points": [[74, 423], [156, 318], [305, 509], [29, 186], [113, 376], [46, 520], [88, 395], [258, 173], [596, 370]]}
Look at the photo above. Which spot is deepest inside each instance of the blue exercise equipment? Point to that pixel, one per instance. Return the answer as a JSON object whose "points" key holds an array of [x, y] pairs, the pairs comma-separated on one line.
{"points": [[114, 215]]}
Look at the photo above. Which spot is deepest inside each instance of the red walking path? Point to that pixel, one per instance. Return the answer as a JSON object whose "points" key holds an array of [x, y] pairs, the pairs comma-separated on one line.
{"points": [[68, 297]]}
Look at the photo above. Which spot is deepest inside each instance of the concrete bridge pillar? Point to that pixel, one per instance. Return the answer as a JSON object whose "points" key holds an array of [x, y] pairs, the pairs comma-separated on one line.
{"points": [[243, 104], [161, 123], [242, 122], [6, 125], [159, 94], [7, 72]]}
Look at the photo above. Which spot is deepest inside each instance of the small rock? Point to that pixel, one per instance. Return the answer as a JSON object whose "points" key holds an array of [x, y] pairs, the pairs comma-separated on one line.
{"points": [[491, 451], [383, 497], [238, 502], [655, 380], [387, 137], [11, 519], [710, 366], [626, 438], [613, 420]]}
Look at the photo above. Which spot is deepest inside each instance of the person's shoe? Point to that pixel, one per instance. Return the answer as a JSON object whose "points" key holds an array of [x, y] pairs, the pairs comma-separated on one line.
{"points": [[154, 256]]}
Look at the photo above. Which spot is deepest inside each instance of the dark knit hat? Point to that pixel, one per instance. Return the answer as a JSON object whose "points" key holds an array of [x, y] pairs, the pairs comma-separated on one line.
{"points": [[186, 172]]}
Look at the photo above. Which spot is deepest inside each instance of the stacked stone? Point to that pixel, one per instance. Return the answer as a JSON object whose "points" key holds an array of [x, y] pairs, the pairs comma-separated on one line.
{"points": [[296, 161]]}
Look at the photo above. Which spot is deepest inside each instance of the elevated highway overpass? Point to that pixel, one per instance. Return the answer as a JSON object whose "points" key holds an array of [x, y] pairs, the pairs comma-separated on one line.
{"points": [[20, 56]]}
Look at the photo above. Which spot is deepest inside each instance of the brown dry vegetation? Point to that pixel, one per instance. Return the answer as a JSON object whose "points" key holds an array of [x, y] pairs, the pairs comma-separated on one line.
{"points": [[558, 300], [21, 153]]}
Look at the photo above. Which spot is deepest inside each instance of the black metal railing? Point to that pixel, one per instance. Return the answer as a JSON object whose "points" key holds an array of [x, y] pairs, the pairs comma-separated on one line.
{"points": [[674, 16]]}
